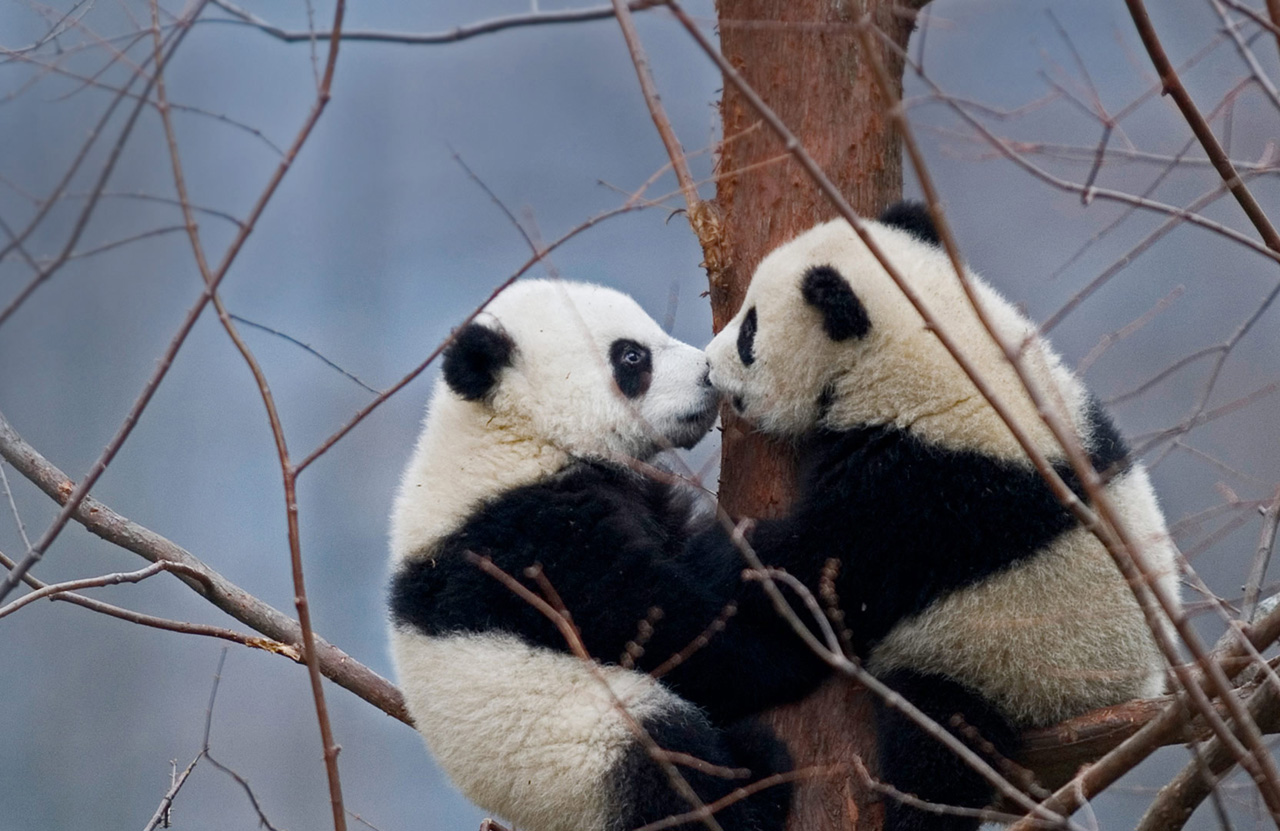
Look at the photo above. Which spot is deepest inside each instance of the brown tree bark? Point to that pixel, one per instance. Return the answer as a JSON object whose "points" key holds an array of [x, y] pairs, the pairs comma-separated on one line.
{"points": [[804, 58]]}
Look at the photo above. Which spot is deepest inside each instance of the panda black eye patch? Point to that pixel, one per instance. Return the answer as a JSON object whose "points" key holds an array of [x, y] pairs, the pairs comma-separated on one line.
{"points": [[843, 315], [632, 367], [747, 338]]}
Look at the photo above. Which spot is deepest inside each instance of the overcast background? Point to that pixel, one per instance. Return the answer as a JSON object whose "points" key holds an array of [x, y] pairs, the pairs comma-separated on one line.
{"points": [[377, 243]]}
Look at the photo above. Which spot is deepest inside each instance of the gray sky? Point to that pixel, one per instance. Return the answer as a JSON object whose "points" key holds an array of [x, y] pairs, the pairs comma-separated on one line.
{"points": [[377, 243]]}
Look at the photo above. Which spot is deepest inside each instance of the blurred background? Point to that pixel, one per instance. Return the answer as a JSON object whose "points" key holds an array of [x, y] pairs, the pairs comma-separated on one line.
{"points": [[378, 242]]}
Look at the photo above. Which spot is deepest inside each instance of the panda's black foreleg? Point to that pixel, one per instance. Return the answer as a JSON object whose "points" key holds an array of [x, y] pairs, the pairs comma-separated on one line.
{"points": [[918, 764], [644, 791]]}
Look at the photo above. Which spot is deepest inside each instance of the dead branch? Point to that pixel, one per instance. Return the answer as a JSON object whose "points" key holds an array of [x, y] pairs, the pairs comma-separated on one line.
{"points": [[161, 816], [104, 522], [166, 361], [1159, 731], [1102, 519], [704, 219], [1270, 520], [632, 204], [82, 221], [1177, 800], [1222, 163], [288, 472], [560, 618], [484, 27], [92, 582]]}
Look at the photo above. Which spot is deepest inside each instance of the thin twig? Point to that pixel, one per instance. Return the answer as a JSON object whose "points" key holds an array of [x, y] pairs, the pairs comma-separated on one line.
{"points": [[364, 412], [484, 27], [1256, 71], [13, 508], [666, 132], [1153, 597], [561, 620], [307, 347], [165, 624], [104, 175], [1270, 520], [703, 217], [166, 360], [161, 816], [93, 582], [287, 471], [1173, 86], [1095, 778]]}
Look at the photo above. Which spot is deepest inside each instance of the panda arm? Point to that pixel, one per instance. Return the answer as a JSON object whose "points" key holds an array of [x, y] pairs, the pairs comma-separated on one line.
{"points": [[609, 550], [908, 522], [613, 554], [756, 661]]}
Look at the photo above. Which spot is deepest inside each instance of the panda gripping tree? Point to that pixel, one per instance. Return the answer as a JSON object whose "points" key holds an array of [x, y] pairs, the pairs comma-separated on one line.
{"points": [[964, 583], [525, 458]]}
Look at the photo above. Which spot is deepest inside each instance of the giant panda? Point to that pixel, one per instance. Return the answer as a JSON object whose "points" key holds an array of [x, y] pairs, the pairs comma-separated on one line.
{"points": [[964, 584], [526, 457]]}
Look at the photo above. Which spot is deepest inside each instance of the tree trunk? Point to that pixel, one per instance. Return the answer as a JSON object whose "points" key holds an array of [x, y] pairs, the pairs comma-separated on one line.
{"points": [[804, 58]]}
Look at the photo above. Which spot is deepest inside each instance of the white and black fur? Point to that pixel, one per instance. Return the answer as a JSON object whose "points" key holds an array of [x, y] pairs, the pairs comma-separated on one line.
{"points": [[965, 584], [522, 459]]}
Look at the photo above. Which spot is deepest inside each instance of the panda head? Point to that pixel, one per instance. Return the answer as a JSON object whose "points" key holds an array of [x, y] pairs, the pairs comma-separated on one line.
{"points": [[581, 368], [825, 339]]}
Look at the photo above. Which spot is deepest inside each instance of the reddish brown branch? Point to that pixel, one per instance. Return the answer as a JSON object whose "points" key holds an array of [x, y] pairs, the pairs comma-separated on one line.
{"points": [[1161, 730], [562, 621], [1178, 799], [703, 217], [1153, 598], [1221, 162]]}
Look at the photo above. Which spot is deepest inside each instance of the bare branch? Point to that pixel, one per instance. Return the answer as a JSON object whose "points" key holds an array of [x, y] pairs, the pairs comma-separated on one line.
{"points": [[104, 522], [561, 620], [703, 217], [1232, 28], [160, 818], [1271, 518], [104, 175], [306, 347], [1173, 86], [1177, 800], [92, 582], [630, 205], [183, 627], [484, 27]]}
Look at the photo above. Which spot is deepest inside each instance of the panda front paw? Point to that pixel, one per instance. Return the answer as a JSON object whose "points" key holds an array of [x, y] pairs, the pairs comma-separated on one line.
{"points": [[645, 794]]}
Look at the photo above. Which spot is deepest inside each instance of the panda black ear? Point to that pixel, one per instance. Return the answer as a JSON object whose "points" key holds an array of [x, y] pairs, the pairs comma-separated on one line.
{"points": [[474, 359], [912, 217], [843, 315]]}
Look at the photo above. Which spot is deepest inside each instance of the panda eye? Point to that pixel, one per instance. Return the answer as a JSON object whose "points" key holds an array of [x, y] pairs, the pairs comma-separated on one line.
{"points": [[632, 367]]}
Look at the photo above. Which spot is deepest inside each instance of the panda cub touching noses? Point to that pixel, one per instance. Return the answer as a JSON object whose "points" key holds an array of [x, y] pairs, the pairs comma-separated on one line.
{"points": [[964, 583], [523, 459]]}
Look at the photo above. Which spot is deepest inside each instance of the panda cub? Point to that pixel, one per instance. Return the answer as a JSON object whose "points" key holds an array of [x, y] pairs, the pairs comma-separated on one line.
{"points": [[964, 583], [545, 400]]}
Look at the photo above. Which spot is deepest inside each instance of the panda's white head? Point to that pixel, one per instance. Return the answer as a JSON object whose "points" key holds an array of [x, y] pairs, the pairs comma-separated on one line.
{"points": [[550, 371], [582, 368], [825, 339]]}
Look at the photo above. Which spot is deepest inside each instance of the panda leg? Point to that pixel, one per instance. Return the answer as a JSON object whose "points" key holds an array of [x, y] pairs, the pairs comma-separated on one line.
{"points": [[645, 793], [916, 763]]}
